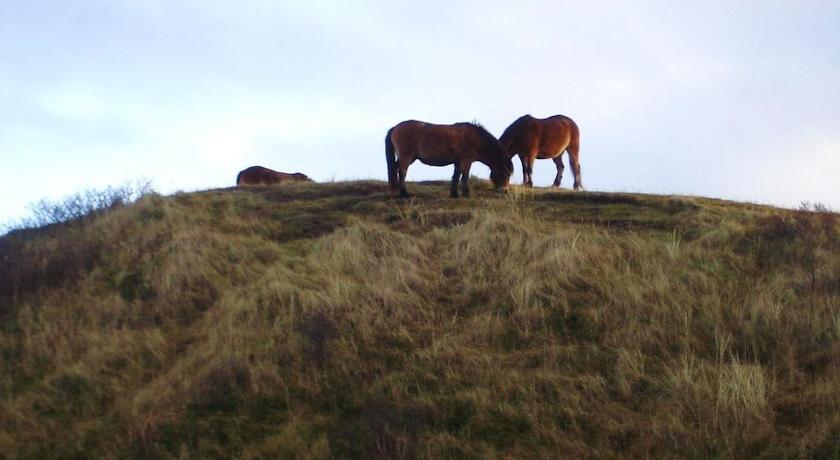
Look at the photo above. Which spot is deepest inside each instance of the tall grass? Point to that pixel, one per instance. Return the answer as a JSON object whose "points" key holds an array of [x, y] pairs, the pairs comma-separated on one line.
{"points": [[328, 321]]}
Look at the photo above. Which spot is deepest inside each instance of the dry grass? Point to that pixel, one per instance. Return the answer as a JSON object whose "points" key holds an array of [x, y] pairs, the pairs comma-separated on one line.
{"points": [[322, 321]]}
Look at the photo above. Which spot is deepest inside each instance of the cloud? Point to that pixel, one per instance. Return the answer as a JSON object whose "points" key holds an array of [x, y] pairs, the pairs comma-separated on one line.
{"points": [[712, 98]]}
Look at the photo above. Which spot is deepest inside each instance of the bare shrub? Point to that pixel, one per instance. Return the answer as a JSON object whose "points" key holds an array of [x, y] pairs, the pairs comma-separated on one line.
{"points": [[319, 330], [82, 204], [35, 256], [807, 238], [46, 261]]}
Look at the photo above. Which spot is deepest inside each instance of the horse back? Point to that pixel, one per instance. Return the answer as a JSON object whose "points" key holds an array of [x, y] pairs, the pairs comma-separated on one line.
{"points": [[259, 175], [412, 137], [559, 129], [547, 137]]}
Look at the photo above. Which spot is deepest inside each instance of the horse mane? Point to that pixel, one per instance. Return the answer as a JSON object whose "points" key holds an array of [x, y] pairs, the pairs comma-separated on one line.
{"points": [[513, 128], [485, 135], [490, 140]]}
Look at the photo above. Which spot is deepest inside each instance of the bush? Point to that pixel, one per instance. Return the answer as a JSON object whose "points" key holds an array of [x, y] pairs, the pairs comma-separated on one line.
{"points": [[82, 204], [34, 256], [806, 239]]}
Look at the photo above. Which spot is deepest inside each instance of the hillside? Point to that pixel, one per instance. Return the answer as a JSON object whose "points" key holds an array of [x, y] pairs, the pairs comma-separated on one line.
{"points": [[329, 321]]}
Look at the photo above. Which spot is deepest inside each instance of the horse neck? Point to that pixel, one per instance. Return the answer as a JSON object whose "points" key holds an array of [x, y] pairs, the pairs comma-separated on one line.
{"points": [[491, 161]]}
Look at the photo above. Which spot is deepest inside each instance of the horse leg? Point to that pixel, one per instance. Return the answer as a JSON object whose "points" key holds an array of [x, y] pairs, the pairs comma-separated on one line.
{"points": [[575, 164], [402, 169], [524, 162], [465, 179], [453, 188], [558, 160], [531, 159]]}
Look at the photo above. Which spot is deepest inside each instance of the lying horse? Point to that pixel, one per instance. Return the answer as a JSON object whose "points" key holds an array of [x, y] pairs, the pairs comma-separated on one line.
{"points": [[533, 138], [257, 175], [440, 145]]}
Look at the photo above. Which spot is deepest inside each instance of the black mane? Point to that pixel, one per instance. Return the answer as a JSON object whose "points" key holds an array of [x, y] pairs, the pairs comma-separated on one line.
{"points": [[491, 143], [486, 136]]}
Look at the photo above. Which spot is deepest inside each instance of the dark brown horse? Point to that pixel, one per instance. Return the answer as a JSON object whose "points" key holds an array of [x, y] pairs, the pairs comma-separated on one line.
{"points": [[440, 145], [533, 138], [257, 175]]}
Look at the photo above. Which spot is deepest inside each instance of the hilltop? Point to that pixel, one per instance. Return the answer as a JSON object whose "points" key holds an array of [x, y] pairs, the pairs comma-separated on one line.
{"points": [[329, 321]]}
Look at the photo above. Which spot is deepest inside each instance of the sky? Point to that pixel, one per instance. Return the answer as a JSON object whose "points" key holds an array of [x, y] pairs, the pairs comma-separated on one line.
{"points": [[730, 99]]}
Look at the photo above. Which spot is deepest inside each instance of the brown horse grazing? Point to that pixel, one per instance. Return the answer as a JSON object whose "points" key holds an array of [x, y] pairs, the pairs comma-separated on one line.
{"points": [[257, 175], [533, 138], [440, 145]]}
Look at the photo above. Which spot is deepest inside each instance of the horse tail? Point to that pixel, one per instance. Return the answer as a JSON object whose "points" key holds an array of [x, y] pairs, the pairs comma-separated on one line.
{"points": [[574, 151], [391, 161]]}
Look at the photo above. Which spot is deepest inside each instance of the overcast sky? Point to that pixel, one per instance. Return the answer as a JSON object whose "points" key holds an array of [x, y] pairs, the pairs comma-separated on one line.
{"points": [[728, 99]]}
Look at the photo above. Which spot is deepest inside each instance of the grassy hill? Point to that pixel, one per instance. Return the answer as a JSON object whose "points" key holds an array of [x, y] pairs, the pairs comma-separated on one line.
{"points": [[327, 320]]}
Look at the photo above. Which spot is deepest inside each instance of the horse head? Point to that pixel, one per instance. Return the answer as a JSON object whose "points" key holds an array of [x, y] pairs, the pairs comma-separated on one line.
{"points": [[500, 174], [501, 166], [496, 157]]}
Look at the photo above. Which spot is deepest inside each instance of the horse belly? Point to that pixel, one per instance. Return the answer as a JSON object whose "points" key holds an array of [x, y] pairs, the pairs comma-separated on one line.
{"points": [[553, 149], [436, 152], [436, 161]]}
